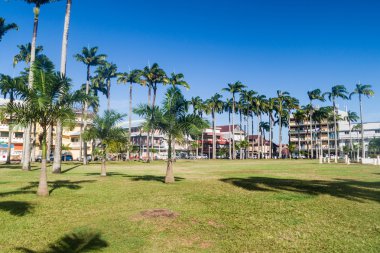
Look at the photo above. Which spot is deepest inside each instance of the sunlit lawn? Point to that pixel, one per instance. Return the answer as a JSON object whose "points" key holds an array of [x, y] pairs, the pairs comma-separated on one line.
{"points": [[217, 206]]}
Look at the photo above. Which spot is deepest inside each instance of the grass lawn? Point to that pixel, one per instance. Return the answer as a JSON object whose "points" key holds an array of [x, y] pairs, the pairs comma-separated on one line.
{"points": [[215, 206]]}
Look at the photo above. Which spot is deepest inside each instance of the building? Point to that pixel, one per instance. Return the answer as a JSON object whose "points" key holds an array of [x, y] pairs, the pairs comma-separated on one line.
{"points": [[70, 139], [323, 135]]}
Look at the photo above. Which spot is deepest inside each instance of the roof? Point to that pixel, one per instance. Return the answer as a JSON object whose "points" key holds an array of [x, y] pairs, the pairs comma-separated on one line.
{"points": [[226, 128]]}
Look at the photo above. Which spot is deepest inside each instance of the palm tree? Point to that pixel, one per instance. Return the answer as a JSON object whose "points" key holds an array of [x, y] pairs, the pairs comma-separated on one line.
{"points": [[59, 129], [362, 90], [299, 117], [351, 118], [133, 77], [36, 11], [313, 95], [337, 91], [234, 88], [108, 71], [4, 28], [54, 90], [90, 58], [281, 101], [271, 109], [153, 76], [264, 126], [8, 88], [227, 107], [173, 120], [215, 104], [249, 98], [24, 54], [177, 80], [107, 131]]}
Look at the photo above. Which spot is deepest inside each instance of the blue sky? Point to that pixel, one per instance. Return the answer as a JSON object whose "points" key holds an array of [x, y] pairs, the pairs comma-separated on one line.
{"points": [[268, 45]]}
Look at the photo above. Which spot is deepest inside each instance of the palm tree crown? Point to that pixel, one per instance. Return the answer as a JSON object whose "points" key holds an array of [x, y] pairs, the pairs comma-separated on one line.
{"points": [[4, 28]]}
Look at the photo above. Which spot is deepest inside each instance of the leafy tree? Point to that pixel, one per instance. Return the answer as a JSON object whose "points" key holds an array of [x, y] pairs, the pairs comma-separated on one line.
{"points": [[133, 77], [4, 28], [362, 90], [8, 88], [90, 58], [108, 71], [48, 100], [215, 105], [234, 88], [178, 80], [24, 55], [107, 131], [173, 120]]}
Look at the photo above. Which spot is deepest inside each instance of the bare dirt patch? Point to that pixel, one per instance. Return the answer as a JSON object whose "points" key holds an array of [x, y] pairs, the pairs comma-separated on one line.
{"points": [[157, 213]]}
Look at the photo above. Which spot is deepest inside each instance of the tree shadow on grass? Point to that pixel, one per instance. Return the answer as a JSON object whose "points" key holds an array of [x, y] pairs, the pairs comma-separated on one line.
{"points": [[109, 174], [53, 185], [17, 166], [78, 242], [341, 188], [16, 208], [152, 178], [71, 168]]}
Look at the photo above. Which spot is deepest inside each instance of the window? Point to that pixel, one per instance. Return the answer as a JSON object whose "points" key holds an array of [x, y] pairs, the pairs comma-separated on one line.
{"points": [[19, 135], [75, 139], [377, 131], [346, 132], [4, 134]]}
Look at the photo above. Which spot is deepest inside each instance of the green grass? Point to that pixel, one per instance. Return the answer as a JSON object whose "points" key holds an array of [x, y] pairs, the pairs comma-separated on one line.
{"points": [[222, 206]]}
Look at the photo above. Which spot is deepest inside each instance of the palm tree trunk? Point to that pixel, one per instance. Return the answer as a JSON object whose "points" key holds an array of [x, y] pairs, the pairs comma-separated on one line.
{"points": [[299, 140], [270, 136], [49, 142], [84, 116], [328, 142], [42, 185], [59, 130], [362, 127], [351, 147], [311, 134], [280, 134], [240, 149], [258, 139], [169, 178], [103, 172], [229, 134], [233, 128], [9, 150], [109, 94], [130, 117], [213, 135], [335, 134], [253, 140], [27, 143]]}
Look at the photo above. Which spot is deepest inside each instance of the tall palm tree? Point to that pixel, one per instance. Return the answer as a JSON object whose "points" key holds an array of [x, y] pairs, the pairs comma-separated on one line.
{"points": [[249, 97], [227, 107], [313, 95], [271, 110], [234, 88], [362, 90], [264, 126], [260, 106], [4, 28], [8, 88], [90, 58], [173, 120], [299, 117], [351, 117], [108, 71], [337, 91], [153, 75], [133, 77], [24, 55], [36, 11], [215, 104], [106, 129], [54, 90], [59, 129], [281, 102]]}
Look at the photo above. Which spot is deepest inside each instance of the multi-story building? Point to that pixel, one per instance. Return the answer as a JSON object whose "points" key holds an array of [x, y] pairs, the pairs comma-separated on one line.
{"points": [[371, 131], [70, 139], [322, 135]]}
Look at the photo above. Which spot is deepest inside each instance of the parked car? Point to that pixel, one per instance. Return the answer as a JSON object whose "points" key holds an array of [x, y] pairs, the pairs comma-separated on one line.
{"points": [[67, 158]]}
